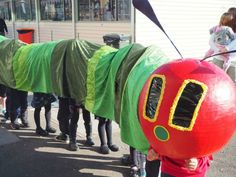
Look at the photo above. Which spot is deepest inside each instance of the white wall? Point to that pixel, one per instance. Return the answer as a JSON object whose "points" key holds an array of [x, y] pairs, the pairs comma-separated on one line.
{"points": [[187, 22], [51, 31], [94, 31], [91, 31]]}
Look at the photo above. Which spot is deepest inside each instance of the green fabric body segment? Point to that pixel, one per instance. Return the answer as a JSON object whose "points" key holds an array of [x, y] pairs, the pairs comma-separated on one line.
{"points": [[131, 130], [114, 83], [122, 75], [69, 68], [32, 67], [8, 48], [105, 85], [2, 38], [106, 54]]}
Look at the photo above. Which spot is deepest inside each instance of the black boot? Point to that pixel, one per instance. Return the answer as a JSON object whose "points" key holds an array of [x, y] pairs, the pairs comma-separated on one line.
{"points": [[24, 118], [72, 135], [73, 145], [111, 146], [88, 128], [49, 128]]}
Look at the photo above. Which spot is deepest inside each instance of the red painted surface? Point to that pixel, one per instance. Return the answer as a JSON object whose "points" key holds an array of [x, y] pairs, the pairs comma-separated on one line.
{"points": [[25, 35], [216, 119]]}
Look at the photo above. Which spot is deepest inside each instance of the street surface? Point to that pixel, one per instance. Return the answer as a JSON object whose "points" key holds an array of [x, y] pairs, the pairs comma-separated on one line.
{"points": [[23, 154]]}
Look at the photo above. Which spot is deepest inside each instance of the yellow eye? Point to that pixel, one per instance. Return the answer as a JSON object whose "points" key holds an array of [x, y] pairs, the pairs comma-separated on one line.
{"points": [[187, 104], [154, 97]]}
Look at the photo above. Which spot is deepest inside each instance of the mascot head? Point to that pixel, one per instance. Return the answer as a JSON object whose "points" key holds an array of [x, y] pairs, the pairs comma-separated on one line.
{"points": [[187, 108]]}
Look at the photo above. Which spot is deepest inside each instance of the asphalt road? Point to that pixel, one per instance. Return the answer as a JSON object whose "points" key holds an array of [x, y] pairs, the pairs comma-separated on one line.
{"points": [[23, 154]]}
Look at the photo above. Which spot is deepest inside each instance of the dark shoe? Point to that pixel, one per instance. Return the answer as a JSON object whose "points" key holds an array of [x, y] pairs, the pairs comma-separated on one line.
{"points": [[73, 146], [89, 142], [104, 149], [51, 130], [62, 137], [41, 132], [14, 126], [113, 148], [126, 160], [24, 125]]}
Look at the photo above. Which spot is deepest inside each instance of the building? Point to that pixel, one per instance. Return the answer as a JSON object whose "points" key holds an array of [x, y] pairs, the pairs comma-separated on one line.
{"points": [[66, 19], [186, 22]]}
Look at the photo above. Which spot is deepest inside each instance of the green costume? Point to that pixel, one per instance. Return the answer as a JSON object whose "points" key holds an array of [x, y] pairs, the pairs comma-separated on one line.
{"points": [[107, 81]]}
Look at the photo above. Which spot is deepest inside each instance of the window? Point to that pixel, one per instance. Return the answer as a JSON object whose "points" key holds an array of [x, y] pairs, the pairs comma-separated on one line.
{"points": [[104, 10], [123, 10], [56, 10], [5, 10], [25, 9]]}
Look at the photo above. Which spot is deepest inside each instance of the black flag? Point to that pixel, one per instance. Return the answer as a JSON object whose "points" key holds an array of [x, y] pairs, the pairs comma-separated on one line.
{"points": [[145, 7]]}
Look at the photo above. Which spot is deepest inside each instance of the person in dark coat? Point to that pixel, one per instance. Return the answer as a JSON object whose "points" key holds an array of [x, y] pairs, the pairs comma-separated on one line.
{"points": [[17, 107], [3, 27]]}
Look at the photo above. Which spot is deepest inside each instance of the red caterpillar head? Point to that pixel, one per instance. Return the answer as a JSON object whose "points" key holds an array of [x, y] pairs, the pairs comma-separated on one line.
{"points": [[187, 108]]}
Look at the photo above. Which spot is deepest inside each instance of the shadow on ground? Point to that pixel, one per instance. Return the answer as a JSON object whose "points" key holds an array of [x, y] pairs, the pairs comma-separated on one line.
{"points": [[34, 156]]}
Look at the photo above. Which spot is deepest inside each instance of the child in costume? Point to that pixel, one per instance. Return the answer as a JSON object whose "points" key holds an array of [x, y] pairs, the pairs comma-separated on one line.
{"points": [[105, 135], [43, 100], [75, 107], [193, 167], [222, 35]]}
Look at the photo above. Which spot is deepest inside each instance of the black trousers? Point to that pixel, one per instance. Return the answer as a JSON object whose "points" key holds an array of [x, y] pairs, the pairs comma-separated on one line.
{"points": [[47, 114], [104, 131], [152, 168], [165, 175], [63, 115], [74, 117], [17, 100], [3, 90]]}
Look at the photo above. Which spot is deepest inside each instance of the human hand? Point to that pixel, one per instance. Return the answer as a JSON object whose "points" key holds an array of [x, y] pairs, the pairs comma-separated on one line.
{"points": [[152, 155], [224, 50], [191, 164]]}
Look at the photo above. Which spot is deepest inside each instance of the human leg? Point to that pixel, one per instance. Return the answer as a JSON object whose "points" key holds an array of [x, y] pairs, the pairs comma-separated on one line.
{"points": [[142, 164], [49, 127], [39, 130], [128, 160], [13, 99], [134, 168], [111, 146], [2, 99], [2, 103], [73, 126], [102, 135], [152, 168], [63, 117], [23, 109], [88, 126], [6, 115]]}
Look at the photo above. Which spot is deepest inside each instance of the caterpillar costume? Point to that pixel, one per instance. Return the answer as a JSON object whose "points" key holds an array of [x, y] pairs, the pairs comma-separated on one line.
{"points": [[183, 108]]}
